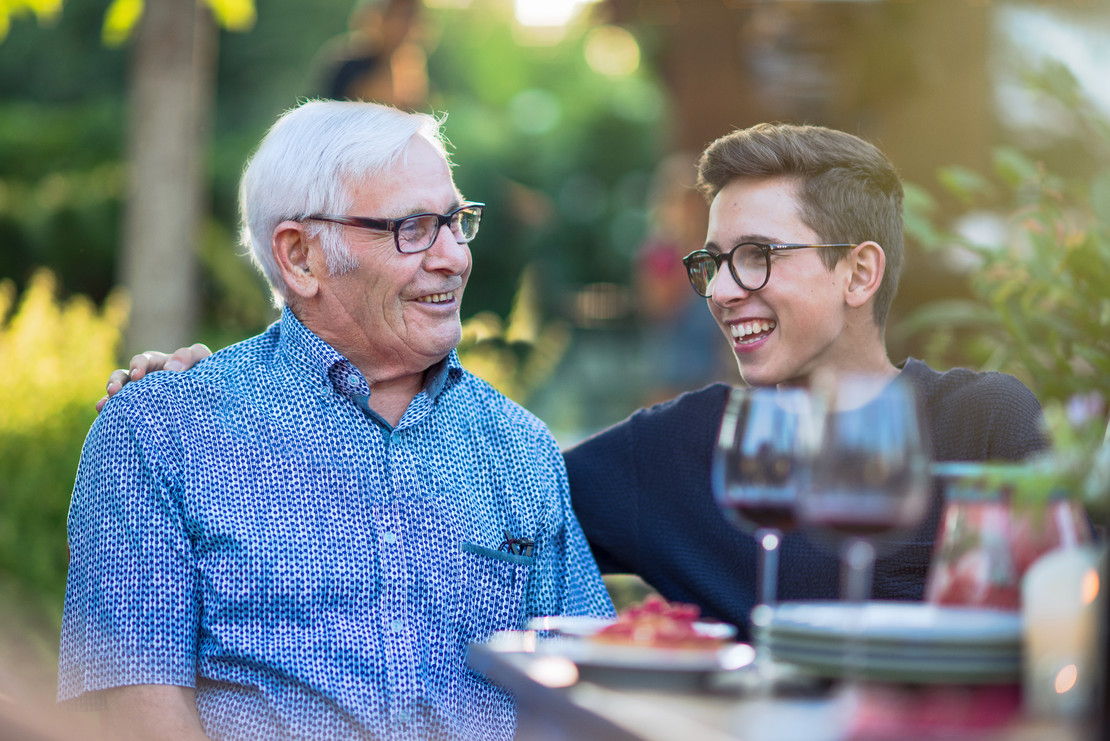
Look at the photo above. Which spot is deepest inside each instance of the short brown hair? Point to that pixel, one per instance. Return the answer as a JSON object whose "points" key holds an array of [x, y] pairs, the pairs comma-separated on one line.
{"points": [[848, 190]]}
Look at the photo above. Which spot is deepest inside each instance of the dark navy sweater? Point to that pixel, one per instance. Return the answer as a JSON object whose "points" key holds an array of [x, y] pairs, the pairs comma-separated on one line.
{"points": [[642, 494]]}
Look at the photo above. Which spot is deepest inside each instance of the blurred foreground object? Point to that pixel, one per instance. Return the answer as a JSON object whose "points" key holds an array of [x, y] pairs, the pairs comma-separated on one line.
{"points": [[1060, 594], [993, 531]]}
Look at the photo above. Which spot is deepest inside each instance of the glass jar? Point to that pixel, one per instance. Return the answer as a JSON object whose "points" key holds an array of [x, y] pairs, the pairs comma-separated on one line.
{"points": [[987, 539]]}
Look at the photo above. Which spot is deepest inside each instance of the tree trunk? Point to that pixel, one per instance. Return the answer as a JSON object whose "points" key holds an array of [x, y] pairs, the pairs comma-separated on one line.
{"points": [[172, 73]]}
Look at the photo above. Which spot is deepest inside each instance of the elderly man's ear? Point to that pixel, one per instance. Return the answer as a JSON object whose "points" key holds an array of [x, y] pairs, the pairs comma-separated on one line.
{"points": [[297, 259], [868, 263]]}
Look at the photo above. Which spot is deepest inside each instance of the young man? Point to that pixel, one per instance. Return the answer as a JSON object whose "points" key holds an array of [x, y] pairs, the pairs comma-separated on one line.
{"points": [[800, 266], [301, 538]]}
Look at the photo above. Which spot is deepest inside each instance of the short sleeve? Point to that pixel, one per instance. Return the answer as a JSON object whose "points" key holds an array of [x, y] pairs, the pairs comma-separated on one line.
{"points": [[131, 609], [602, 473]]}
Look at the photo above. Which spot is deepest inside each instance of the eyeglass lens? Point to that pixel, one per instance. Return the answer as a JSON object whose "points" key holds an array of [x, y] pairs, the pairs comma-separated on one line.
{"points": [[701, 268], [417, 233], [749, 265]]}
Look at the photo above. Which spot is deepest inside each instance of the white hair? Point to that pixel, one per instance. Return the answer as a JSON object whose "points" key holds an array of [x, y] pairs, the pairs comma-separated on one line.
{"points": [[308, 163]]}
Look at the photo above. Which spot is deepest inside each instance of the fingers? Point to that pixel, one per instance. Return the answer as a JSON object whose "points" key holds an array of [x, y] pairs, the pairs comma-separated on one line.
{"points": [[144, 363], [151, 361], [186, 357], [115, 382]]}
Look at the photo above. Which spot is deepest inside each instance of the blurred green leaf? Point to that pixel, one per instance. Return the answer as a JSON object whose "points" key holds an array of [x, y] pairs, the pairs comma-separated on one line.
{"points": [[45, 11], [1057, 80], [964, 183], [120, 20], [1012, 166], [1041, 302], [1100, 197], [919, 207], [44, 423], [234, 15]]}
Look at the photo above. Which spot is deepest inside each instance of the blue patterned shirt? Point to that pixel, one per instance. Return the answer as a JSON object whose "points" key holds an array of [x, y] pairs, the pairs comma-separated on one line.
{"points": [[250, 529]]}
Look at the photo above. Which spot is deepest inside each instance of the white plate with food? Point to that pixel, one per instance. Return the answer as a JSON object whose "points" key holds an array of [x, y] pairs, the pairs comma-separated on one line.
{"points": [[654, 635], [586, 653], [583, 626]]}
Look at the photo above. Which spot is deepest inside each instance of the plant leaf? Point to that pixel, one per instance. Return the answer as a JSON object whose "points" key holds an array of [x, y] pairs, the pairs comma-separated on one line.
{"points": [[964, 183], [234, 15], [120, 20]]}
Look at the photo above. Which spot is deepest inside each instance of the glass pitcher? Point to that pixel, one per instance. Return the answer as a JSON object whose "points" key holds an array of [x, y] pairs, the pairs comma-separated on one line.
{"points": [[987, 538]]}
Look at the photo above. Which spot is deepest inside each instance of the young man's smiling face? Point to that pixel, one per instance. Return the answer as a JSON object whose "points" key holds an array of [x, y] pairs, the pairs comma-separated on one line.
{"points": [[796, 323]]}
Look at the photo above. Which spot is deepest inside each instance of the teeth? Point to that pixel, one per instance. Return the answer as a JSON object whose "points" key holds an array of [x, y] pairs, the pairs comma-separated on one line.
{"points": [[436, 298], [745, 329]]}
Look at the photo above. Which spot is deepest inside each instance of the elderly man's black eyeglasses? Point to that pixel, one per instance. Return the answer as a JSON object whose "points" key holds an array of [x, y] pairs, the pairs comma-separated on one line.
{"points": [[749, 263], [418, 232]]}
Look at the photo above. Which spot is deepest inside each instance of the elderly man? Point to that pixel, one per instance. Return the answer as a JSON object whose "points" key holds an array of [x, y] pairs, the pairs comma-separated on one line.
{"points": [[299, 538]]}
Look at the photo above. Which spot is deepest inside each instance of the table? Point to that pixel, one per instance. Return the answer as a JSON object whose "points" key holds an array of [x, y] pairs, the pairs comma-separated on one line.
{"points": [[556, 703]]}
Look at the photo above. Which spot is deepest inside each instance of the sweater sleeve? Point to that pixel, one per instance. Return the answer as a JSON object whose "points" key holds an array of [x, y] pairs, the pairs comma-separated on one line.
{"points": [[1020, 429], [603, 486], [994, 417]]}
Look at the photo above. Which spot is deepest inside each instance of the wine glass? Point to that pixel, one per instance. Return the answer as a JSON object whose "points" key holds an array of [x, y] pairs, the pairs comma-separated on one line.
{"points": [[760, 465], [870, 475]]}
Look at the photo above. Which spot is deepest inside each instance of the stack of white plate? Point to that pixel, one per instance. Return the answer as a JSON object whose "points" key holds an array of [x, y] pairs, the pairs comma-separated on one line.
{"points": [[895, 641]]}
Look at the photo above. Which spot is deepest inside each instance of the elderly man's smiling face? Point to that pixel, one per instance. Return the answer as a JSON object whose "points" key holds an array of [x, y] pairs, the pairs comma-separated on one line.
{"points": [[399, 313]]}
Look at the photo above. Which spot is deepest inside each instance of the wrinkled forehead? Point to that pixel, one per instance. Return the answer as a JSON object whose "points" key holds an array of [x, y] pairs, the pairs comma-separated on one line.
{"points": [[418, 179]]}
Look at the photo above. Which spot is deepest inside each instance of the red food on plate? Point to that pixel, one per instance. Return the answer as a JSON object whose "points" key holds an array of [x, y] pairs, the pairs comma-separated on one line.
{"points": [[659, 624]]}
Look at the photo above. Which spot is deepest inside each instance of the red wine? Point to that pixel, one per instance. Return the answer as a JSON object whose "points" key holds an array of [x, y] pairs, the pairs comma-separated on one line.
{"points": [[751, 515], [848, 524]]}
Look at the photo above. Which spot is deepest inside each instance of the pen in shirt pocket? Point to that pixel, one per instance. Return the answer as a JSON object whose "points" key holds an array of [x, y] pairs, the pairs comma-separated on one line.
{"points": [[516, 546]]}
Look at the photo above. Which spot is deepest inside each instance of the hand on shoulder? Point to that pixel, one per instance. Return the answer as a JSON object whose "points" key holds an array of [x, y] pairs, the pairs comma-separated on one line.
{"points": [[151, 361]]}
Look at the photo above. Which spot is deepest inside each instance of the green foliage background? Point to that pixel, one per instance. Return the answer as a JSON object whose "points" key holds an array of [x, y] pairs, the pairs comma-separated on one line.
{"points": [[1039, 305], [1040, 298], [53, 359], [563, 154]]}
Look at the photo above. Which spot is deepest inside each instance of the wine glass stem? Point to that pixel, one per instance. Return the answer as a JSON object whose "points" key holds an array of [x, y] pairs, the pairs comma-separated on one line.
{"points": [[859, 564], [769, 540]]}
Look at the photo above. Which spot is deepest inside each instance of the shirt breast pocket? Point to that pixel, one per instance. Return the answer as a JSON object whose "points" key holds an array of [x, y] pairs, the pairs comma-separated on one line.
{"points": [[494, 588]]}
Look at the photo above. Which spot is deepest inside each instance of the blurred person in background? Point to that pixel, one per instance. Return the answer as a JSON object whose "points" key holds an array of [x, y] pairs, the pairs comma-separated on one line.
{"points": [[814, 217], [381, 58], [300, 538], [675, 328]]}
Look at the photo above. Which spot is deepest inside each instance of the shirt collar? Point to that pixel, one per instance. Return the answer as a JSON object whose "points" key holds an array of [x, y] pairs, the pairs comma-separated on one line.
{"points": [[326, 367]]}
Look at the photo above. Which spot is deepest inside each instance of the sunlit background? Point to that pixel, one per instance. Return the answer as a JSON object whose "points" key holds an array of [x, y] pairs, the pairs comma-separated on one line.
{"points": [[577, 121]]}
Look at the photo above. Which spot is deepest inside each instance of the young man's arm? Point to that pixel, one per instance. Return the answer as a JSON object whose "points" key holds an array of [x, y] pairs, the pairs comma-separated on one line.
{"points": [[149, 712]]}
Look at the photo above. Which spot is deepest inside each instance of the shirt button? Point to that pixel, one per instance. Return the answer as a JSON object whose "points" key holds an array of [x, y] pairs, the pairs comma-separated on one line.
{"points": [[389, 538], [395, 626]]}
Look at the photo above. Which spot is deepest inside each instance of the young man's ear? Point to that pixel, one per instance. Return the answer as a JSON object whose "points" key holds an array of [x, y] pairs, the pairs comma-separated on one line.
{"points": [[295, 258], [868, 263]]}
